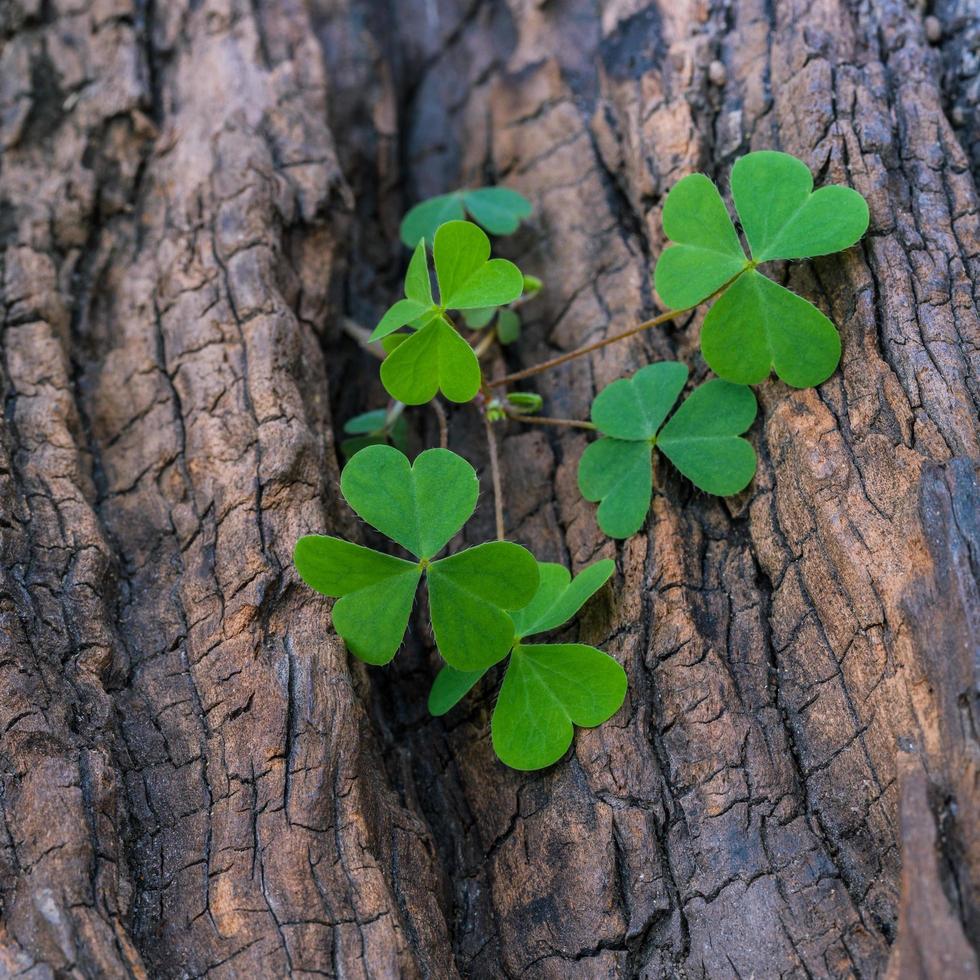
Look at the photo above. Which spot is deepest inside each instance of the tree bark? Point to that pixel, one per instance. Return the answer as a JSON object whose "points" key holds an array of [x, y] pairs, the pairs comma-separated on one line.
{"points": [[196, 779]]}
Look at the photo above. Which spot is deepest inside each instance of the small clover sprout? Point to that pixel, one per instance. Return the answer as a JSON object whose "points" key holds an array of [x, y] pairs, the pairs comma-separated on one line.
{"points": [[435, 357], [377, 427], [524, 402], [420, 507], [757, 325], [497, 209], [548, 688], [515, 404], [702, 439]]}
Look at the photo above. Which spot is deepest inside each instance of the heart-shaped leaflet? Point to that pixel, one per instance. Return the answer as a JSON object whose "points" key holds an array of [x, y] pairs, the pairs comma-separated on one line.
{"points": [[468, 593], [375, 592], [432, 360], [549, 688], [468, 278], [418, 303], [757, 326], [419, 505], [783, 217], [707, 254], [703, 437]]}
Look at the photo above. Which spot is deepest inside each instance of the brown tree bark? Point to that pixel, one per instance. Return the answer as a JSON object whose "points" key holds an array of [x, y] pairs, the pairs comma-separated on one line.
{"points": [[195, 778]]}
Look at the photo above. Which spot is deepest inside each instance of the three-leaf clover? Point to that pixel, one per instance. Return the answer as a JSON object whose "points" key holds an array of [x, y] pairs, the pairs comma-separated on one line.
{"points": [[757, 325], [550, 687], [435, 357], [498, 209], [420, 507], [702, 439]]}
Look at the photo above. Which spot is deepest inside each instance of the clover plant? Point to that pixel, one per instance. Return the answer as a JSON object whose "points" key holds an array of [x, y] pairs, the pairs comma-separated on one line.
{"points": [[435, 357], [702, 439], [486, 601], [420, 507], [757, 325], [497, 209]]}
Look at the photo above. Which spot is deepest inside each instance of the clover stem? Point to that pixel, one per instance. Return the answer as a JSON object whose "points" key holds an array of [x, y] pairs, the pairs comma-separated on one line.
{"points": [[498, 490], [587, 349], [394, 412], [549, 420], [443, 423], [606, 341], [362, 335], [486, 342]]}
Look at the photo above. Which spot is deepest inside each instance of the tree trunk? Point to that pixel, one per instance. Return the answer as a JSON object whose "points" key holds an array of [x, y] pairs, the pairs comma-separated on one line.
{"points": [[196, 779]]}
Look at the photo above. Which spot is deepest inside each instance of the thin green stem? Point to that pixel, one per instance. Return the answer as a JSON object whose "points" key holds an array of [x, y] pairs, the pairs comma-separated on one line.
{"points": [[586, 349], [606, 341], [486, 342], [443, 423], [498, 490], [549, 420]]}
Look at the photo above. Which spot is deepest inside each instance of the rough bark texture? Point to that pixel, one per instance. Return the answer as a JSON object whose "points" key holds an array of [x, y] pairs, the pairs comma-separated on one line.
{"points": [[194, 779]]}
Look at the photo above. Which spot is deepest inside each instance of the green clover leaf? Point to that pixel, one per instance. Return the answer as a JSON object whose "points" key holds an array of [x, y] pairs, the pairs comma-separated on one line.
{"points": [[417, 305], [635, 408], [418, 285], [559, 596], [783, 217], [450, 687], [708, 253], [702, 439], [557, 600], [436, 358], [377, 427], [468, 278], [468, 593], [756, 325], [618, 475], [375, 592], [419, 506], [498, 209], [549, 688]]}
